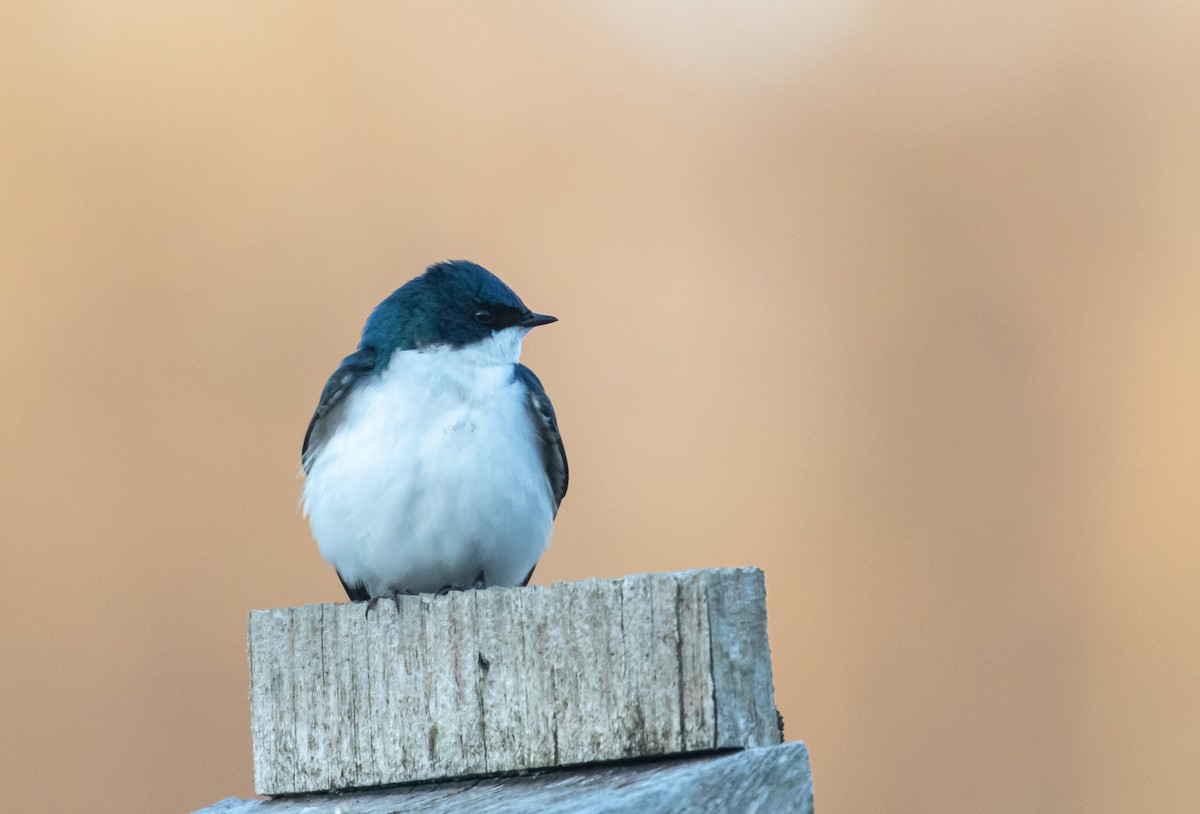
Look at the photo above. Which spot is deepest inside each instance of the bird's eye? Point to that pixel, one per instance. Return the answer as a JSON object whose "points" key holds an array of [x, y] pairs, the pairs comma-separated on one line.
{"points": [[483, 316]]}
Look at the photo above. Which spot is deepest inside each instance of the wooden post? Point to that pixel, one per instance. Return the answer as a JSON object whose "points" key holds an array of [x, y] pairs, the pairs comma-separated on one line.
{"points": [[503, 681]]}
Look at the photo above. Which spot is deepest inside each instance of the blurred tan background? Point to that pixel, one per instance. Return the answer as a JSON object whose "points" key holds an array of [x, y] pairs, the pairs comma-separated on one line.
{"points": [[895, 300]]}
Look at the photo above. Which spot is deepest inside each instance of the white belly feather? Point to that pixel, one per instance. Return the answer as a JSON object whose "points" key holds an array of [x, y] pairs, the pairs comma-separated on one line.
{"points": [[434, 475]]}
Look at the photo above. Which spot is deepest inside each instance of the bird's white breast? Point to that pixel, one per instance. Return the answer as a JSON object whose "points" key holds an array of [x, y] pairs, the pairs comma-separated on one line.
{"points": [[434, 474]]}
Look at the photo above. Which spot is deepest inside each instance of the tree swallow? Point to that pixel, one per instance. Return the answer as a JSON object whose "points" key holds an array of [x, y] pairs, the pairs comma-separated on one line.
{"points": [[433, 459]]}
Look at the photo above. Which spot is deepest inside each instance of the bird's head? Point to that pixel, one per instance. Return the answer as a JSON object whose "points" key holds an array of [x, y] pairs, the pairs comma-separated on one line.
{"points": [[453, 304]]}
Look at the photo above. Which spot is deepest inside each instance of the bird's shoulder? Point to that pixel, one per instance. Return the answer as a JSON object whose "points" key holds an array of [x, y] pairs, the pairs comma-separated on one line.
{"points": [[545, 422], [352, 372]]}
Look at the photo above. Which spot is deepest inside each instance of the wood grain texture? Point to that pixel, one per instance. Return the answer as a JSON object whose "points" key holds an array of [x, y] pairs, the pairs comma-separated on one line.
{"points": [[506, 679], [771, 780]]}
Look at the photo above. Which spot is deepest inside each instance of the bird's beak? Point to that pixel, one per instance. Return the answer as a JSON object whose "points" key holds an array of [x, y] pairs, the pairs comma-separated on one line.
{"points": [[533, 320]]}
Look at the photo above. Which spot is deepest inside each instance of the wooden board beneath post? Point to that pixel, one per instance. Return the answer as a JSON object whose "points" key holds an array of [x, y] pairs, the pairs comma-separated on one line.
{"points": [[508, 679], [773, 780]]}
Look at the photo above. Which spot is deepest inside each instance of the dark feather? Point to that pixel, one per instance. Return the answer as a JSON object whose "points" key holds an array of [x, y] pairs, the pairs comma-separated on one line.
{"points": [[357, 592], [541, 411], [354, 369]]}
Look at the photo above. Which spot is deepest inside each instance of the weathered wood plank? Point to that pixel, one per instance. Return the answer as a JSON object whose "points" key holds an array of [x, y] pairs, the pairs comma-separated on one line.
{"points": [[772, 780], [485, 682]]}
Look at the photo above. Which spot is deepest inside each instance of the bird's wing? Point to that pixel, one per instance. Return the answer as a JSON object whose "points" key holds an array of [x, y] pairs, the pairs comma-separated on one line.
{"points": [[541, 411], [354, 368], [357, 591]]}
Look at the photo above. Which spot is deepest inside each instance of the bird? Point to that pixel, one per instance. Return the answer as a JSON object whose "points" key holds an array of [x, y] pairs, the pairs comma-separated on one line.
{"points": [[433, 461]]}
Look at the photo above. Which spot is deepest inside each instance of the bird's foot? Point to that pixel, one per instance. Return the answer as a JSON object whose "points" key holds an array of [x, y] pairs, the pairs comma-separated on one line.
{"points": [[478, 585], [394, 596]]}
